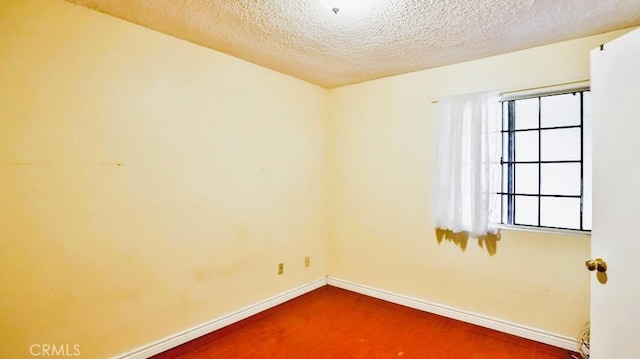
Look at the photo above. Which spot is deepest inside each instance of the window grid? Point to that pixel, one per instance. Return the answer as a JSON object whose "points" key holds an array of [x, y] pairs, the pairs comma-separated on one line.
{"points": [[511, 162], [581, 159], [539, 158]]}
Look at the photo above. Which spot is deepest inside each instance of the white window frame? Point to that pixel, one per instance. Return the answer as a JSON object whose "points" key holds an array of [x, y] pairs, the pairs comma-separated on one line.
{"points": [[586, 162]]}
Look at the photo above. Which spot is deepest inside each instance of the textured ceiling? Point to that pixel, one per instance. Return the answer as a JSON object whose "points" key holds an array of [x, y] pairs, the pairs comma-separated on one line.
{"points": [[371, 38]]}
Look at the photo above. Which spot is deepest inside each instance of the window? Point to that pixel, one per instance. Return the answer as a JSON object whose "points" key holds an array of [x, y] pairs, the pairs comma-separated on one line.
{"points": [[546, 161]]}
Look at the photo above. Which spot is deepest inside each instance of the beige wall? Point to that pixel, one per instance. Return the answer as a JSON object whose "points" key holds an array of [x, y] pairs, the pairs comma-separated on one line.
{"points": [[223, 177], [382, 163], [148, 184]]}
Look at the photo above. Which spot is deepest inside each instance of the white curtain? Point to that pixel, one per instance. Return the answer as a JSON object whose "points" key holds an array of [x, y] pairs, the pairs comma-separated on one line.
{"points": [[467, 164]]}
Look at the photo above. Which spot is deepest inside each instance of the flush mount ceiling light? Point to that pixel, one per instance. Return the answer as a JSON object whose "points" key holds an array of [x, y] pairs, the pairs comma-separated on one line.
{"points": [[333, 5], [340, 5]]}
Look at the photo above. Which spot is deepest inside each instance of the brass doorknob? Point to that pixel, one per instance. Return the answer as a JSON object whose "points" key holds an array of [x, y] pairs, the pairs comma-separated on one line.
{"points": [[596, 264]]}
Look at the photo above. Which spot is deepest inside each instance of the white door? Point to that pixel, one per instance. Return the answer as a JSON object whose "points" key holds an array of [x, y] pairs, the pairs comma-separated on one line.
{"points": [[615, 294]]}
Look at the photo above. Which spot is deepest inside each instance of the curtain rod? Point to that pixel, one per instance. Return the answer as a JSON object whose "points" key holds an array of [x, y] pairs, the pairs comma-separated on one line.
{"points": [[535, 88]]}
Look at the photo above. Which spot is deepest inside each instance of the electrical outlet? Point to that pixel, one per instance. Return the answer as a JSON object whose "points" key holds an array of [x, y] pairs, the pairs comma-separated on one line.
{"points": [[307, 261], [280, 268]]}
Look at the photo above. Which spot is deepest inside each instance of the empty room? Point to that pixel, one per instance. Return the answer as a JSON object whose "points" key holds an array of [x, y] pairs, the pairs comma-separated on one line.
{"points": [[319, 179]]}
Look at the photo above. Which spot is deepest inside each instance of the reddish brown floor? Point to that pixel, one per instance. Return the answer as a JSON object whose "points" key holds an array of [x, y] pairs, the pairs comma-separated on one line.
{"points": [[334, 323]]}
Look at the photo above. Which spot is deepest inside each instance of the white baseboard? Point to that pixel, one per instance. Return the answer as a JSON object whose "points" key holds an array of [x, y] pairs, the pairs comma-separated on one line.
{"points": [[453, 313], [197, 331]]}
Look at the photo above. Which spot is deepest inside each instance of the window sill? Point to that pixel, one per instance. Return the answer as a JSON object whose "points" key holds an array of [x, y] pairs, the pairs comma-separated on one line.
{"points": [[574, 232]]}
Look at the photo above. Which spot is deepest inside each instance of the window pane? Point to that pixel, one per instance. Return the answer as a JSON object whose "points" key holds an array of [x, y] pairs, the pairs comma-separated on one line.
{"points": [[587, 215], [505, 115], [561, 178], [526, 210], [587, 191], [505, 146], [505, 209], [527, 178], [560, 212], [558, 145], [526, 113], [560, 110], [527, 146], [586, 99], [505, 178]]}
